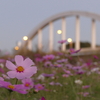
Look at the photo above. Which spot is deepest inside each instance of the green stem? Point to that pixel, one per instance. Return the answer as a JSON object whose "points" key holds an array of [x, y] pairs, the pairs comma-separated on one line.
{"points": [[77, 98], [16, 81]]}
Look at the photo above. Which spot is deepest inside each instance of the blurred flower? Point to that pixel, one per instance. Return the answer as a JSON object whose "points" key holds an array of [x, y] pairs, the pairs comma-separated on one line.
{"points": [[95, 69], [1, 79], [38, 59], [2, 70], [62, 61], [22, 69], [48, 75], [51, 83], [88, 63], [80, 72], [2, 60], [67, 72], [38, 87], [85, 94], [85, 87], [43, 98], [53, 77], [69, 66], [11, 59], [17, 88], [27, 83], [48, 57], [57, 65], [60, 53], [72, 51], [41, 77], [77, 68], [96, 57], [78, 82], [55, 83], [48, 64], [62, 41], [95, 63], [1, 65], [65, 75], [5, 76]]}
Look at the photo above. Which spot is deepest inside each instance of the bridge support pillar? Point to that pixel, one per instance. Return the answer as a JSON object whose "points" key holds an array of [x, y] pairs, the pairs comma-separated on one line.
{"points": [[29, 45], [63, 33], [93, 44], [51, 37], [77, 44], [40, 40]]}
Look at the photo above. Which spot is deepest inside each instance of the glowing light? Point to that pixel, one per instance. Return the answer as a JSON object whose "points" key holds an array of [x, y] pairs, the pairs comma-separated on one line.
{"points": [[25, 38], [59, 31], [16, 48], [69, 40]]}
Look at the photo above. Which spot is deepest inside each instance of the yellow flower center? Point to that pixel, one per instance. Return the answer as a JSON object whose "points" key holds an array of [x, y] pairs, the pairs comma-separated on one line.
{"points": [[11, 86], [20, 69], [27, 84]]}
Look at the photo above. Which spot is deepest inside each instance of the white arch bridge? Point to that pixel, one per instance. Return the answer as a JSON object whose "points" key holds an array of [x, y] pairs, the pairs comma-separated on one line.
{"points": [[49, 22]]}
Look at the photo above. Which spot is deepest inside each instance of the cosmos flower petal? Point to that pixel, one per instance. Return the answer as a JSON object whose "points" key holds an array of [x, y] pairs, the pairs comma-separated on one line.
{"points": [[20, 75], [10, 65], [22, 91], [27, 63], [18, 59], [42, 98], [1, 79], [30, 71], [27, 80], [11, 74]]}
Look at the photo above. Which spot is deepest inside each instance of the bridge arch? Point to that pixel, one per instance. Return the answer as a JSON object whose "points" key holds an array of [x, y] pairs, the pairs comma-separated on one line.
{"points": [[49, 21]]}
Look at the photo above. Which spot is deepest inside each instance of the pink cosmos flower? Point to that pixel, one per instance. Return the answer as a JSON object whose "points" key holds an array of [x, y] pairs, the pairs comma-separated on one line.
{"points": [[96, 57], [48, 64], [89, 62], [85, 94], [72, 51], [1, 79], [60, 53], [68, 66], [85, 87], [67, 72], [38, 59], [2, 60], [43, 98], [57, 83], [22, 69], [65, 75], [2, 70], [48, 57], [27, 83], [17, 88], [62, 61], [48, 75], [57, 65], [39, 87], [62, 41]]}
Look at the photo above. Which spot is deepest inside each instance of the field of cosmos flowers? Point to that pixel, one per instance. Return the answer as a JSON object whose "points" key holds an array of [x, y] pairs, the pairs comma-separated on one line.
{"points": [[58, 76]]}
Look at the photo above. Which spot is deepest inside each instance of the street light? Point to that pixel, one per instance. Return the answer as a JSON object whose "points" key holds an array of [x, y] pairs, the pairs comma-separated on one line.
{"points": [[16, 48], [70, 42], [25, 38], [59, 31]]}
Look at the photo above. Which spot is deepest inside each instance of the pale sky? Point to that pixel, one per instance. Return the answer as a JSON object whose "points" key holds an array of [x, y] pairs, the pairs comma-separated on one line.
{"points": [[19, 17]]}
